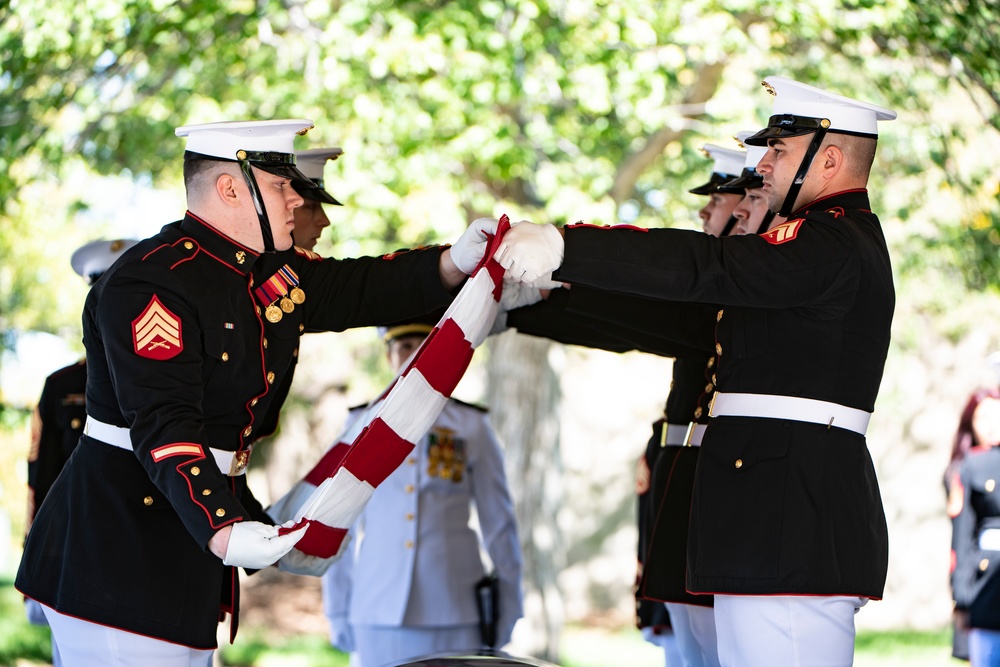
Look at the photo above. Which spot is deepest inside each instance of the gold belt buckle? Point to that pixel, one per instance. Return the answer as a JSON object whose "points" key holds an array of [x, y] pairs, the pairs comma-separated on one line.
{"points": [[240, 461], [711, 403]]}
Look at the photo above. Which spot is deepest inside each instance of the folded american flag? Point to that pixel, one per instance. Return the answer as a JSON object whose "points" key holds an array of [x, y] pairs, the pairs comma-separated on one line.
{"points": [[331, 496]]}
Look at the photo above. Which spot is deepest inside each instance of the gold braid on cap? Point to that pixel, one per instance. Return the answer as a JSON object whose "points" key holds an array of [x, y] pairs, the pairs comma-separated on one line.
{"points": [[406, 330]]}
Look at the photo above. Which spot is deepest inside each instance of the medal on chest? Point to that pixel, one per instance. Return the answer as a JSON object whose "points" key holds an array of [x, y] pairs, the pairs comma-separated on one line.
{"points": [[445, 455], [280, 293]]}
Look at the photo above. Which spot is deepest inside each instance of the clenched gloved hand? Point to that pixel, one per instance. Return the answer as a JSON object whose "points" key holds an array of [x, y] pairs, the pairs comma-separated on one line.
{"points": [[469, 249], [530, 252]]}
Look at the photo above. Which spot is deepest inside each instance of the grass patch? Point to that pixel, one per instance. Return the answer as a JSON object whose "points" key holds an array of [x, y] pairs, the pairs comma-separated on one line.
{"points": [[254, 649], [19, 640]]}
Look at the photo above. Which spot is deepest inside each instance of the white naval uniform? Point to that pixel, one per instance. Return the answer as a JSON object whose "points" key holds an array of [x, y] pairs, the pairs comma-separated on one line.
{"points": [[416, 560]]}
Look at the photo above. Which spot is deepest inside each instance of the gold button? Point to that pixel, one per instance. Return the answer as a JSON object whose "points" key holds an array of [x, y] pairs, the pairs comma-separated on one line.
{"points": [[206, 492], [270, 377], [714, 379], [983, 564], [409, 544], [147, 501], [253, 402], [225, 356], [990, 485], [409, 516], [698, 412], [412, 461], [251, 281], [220, 512], [195, 471], [257, 308], [711, 362], [408, 488], [264, 342], [709, 387], [247, 430], [718, 348], [188, 245], [739, 463], [718, 317], [295, 353], [302, 328], [75, 424]]}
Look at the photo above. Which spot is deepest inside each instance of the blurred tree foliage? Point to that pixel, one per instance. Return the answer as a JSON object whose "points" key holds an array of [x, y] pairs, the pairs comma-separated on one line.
{"points": [[554, 110]]}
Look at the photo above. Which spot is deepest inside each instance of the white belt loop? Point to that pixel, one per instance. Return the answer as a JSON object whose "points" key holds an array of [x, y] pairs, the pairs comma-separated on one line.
{"points": [[790, 407], [230, 463]]}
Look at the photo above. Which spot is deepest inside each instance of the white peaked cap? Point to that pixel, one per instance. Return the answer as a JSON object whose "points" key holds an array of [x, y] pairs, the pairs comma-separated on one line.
{"points": [[223, 140], [754, 153], [833, 112], [96, 257], [312, 162], [727, 160]]}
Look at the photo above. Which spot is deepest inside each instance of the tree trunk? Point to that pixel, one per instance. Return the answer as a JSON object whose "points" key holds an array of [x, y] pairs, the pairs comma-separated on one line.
{"points": [[523, 395]]}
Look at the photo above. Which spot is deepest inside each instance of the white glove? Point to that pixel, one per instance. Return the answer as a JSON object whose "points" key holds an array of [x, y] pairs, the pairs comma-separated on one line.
{"points": [[470, 247], [530, 251], [254, 545], [518, 294], [297, 562], [341, 633]]}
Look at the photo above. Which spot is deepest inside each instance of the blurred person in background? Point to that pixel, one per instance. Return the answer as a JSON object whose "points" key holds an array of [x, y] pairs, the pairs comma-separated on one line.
{"points": [[974, 505], [58, 418], [407, 588], [311, 218]]}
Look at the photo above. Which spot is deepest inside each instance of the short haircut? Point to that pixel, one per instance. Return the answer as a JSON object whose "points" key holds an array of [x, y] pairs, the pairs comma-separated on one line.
{"points": [[199, 175], [859, 152]]}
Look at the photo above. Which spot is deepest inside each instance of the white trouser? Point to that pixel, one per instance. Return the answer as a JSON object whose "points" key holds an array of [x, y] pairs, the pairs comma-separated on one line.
{"points": [[786, 630], [668, 642], [378, 645], [694, 627], [984, 647], [85, 644]]}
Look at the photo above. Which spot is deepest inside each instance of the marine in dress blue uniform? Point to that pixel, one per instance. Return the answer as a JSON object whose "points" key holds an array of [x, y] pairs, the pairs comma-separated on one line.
{"points": [[187, 337], [802, 342], [408, 589]]}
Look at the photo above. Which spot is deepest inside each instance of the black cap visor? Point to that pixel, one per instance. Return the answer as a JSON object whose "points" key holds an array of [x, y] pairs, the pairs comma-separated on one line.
{"points": [[787, 125], [717, 180], [313, 189], [748, 180]]}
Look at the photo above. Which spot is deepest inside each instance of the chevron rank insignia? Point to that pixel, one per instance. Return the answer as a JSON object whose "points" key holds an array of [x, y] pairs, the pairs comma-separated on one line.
{"points": [[784, 232], [157, 332]]}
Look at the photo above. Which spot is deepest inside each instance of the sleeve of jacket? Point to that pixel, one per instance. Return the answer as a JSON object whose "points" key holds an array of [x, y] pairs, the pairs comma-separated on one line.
{"points": [[498, 523], [366, 291], [963, 544], [684, 265], [563, 319], [161, 400]]}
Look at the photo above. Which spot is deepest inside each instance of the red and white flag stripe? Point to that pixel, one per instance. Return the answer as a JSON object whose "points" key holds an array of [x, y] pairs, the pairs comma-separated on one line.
{"points": [[332, 495]]}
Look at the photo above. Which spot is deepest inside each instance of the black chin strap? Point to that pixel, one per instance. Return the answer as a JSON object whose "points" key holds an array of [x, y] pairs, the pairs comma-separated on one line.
{"points": [[800, 176], [729, 226], [765, 222], [258, 202]]}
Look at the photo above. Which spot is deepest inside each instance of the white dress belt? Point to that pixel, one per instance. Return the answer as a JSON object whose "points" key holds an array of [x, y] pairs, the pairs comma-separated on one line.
{"points": [[790, 407], [230, 463], [989, 539], [675, 435]]}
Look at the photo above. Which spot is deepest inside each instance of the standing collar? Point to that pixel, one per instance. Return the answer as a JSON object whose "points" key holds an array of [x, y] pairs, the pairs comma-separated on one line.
{"points": [[845, 199], [235, 255]]}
